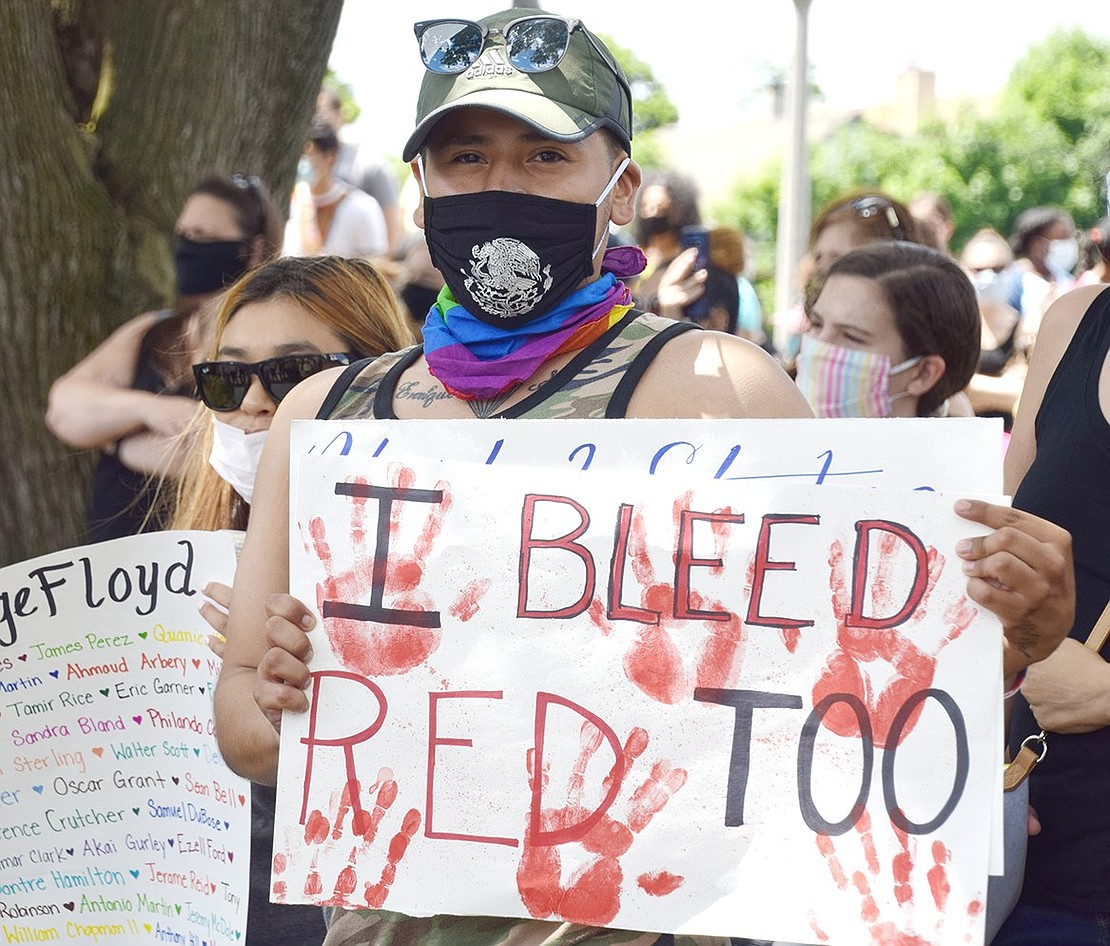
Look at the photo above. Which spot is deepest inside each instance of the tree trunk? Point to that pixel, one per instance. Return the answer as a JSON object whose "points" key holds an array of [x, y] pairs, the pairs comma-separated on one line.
{"points": [[110, 111]]}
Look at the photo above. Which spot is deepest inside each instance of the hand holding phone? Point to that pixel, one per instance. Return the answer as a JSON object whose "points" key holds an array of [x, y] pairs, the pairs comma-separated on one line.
{"points": [[697, 237]]}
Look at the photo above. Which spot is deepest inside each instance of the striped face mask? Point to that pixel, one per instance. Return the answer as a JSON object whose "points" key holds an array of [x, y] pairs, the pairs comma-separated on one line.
{"points": [[846, 382]]}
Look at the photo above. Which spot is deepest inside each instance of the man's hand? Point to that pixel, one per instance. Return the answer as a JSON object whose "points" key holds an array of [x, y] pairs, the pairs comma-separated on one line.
{"points": [[282, 674], [1069, 691], [1022, 572]]}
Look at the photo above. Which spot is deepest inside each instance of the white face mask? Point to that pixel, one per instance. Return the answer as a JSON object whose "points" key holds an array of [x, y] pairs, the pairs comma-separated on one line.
{"points": [[1061, 258], [306, 171], [235, 455], [995, 287]]}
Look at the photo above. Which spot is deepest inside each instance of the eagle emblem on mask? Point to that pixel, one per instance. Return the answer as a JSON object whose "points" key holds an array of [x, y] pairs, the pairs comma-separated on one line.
{"points": [[506, 278]]}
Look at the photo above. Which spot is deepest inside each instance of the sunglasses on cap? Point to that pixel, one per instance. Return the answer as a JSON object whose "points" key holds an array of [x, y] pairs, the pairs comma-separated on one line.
{"points": [[867, 207], [532, 43], [222, 385]]}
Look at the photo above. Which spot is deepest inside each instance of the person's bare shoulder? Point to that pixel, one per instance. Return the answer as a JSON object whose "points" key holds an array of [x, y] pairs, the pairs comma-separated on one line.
{"points": [[305, 400], [1055, 334], [711, 374]]}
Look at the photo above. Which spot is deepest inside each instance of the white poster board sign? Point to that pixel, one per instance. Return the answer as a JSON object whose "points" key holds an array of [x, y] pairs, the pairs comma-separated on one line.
{"points": [[120, 821], [962, 455], [626, 701]]}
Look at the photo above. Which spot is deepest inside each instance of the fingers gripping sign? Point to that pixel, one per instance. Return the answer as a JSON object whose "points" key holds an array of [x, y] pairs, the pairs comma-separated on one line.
{"points": [[1022, 572], [282, 674]]}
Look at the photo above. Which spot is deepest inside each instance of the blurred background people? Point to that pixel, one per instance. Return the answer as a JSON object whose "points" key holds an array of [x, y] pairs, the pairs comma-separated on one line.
{"points": [[1095, 255], [665, 204], [1045, 253], [131, 396], [856, 219], [933, 216], [847, 221], [996, 386], [328, 216], [419, 281], [728, 251], [679, 289], [893, 331], [361, 166], [276, 326]]}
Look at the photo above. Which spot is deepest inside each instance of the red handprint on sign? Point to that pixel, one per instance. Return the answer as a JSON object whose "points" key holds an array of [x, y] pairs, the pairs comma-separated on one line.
{"points": [[592, 894], [362, 829], [899, 883], [377, 619], [654, 661], [883, 667]]}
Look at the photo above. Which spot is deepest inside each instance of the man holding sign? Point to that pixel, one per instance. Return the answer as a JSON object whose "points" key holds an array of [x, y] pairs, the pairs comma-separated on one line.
{"points": [[522, 153]]}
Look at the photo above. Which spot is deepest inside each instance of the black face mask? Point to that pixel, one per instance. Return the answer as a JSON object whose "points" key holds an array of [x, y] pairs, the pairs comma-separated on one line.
{"points": [[510, 258], [208, 267], [648, 227]]}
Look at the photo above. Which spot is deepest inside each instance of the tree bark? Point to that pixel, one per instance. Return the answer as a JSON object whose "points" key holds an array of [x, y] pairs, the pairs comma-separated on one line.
{"points": [[110, 111]]}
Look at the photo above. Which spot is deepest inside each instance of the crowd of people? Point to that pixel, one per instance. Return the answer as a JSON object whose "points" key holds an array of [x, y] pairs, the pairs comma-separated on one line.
{"points": [[347, 308]]}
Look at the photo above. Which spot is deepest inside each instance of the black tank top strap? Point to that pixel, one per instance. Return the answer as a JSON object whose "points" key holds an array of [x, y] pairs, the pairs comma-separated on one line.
{"points": [[339, 387], [618, 404], [383, 397], [1076, 378], [571, 369]]}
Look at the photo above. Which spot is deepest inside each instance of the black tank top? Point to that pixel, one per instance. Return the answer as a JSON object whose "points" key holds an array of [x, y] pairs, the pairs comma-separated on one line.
{"points": [[1068, 483], [121, 497]]}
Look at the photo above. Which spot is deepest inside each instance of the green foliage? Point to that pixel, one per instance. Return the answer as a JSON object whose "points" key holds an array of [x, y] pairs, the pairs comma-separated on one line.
{"points": [[1047, 143], [1063, 81], [652, 107]]}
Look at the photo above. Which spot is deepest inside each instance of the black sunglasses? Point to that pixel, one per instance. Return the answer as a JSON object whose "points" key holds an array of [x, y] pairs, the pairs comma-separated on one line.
{"points": [[222, 385], [532, 43], [868, 207]]}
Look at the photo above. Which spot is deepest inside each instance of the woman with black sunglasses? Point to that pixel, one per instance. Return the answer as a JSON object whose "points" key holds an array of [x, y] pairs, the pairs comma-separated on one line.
{"points": [[276, 326], [131, 396]]}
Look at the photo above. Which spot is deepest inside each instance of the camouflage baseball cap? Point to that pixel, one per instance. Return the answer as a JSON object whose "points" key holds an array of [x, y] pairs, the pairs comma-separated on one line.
{"points": [[585, 91]]}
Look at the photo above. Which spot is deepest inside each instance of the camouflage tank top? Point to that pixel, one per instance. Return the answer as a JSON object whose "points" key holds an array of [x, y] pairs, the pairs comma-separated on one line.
{"points": [[598, 382]]}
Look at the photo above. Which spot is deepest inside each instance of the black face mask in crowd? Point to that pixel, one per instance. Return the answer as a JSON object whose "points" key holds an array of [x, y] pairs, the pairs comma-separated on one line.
{"points": [[648, 227], [510, 258], [208, 267]]}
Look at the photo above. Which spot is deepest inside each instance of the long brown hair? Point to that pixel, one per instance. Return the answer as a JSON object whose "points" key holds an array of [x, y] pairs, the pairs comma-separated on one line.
{"points": [[350, 297], [933, 303], [874, 216]]}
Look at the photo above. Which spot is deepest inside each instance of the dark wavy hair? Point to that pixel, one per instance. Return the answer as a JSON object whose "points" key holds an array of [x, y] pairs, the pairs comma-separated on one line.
{"points": [[683, 191], [1032, 224], [934, 305]]}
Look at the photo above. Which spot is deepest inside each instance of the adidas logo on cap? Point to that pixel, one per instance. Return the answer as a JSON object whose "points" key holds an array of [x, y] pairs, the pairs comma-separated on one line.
{"points": [[491, 63]]}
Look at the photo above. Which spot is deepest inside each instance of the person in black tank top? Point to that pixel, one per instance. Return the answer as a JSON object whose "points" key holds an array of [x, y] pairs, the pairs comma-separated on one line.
{"points": [[1066, 896], [132, 395]]}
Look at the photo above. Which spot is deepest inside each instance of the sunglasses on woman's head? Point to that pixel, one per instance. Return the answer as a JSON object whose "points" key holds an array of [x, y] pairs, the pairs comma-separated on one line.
{"points": [[532, 43], [868, 207], [222, 385]]}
